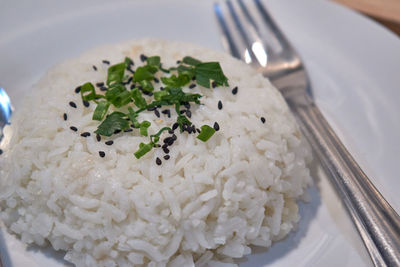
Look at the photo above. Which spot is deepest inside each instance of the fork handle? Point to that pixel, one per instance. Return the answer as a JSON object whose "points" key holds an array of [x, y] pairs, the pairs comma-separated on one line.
{"points": [[376, 221]]}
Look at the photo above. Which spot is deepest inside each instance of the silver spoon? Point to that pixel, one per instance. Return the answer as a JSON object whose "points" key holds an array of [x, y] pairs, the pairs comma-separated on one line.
{"points": [[5, 110]]}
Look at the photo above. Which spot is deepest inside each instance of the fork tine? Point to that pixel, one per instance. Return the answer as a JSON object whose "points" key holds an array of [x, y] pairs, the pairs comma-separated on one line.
{"points": [[270, 22], [228, 40], [238, 23]]}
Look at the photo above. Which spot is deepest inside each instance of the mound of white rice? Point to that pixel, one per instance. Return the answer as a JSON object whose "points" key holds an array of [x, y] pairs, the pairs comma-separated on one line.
{"points": [[207, 204]]}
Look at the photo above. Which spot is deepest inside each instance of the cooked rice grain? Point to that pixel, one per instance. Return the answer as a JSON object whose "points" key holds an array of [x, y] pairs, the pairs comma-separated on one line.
{"points": [[209, 202]]}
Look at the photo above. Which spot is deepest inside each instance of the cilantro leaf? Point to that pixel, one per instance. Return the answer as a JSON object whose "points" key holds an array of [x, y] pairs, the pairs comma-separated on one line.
{"points": [[191, 61], [205, 72], [113, 122], [176, 81]]}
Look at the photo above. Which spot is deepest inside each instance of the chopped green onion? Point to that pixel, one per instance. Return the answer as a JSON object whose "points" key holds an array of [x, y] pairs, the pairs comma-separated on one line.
{"points": [[159, 94], [205, 133], [143, 149], [116, 73], [88, 92], [147, 86], [143, 128], [101, 110], [155, 61], [128, 61], [138, 99]]}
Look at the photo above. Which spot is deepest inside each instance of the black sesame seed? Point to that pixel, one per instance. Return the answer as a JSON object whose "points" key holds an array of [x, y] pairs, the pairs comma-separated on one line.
{"points": [[143, 58], [262, 119], [167, 140], [117, 131], [94, 67], [170, 131], [73, 128], [164, 146], [85, 134], [198, 130], [156, 80], [72, 104], [216, 126], [133, 86], [174, 126], [128, 130], [178, 62], [158, 161], [166, 112], [192, 86], [100, 84], [109, 143], [102, 154], [182, 111], [219, 105], [128, 81], [130, 70], [1, 151], [166, 157], [162, 88], [103, 88], [187, 105], [166, 150], [65, 116], [194, 78], [235, 90], [151, 108], [98, 137], [78, 89], [86, 103], [188, 114], [157, 113], [214, 84], [106, 62], [174, 137]]}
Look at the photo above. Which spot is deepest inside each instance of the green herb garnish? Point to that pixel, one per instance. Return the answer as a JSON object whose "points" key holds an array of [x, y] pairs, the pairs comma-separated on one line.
{"points": [[206, 133], [129, 103]]}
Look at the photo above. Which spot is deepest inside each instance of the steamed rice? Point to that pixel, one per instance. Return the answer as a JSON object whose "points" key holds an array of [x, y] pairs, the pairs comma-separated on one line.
{"points": [[207, 204]]}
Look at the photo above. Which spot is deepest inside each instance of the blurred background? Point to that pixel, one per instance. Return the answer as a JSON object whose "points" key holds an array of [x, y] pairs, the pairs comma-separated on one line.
{"points": [[385, 12]]}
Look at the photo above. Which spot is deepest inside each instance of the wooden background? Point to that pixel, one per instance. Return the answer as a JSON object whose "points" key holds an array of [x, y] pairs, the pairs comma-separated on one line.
{"points": [[386, 12]]}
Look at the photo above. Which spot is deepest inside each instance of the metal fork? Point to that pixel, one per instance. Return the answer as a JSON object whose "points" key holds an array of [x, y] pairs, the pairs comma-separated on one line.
{"points": [[246, 38]]}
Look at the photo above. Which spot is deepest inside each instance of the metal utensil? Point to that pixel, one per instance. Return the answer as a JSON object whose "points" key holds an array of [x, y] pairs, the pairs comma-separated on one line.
{"points": [[245, 37], [5, 110]]}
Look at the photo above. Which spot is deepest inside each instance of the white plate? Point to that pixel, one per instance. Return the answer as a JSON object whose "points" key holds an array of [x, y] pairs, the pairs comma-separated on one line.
{"points": [[353, 65]]}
